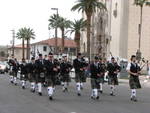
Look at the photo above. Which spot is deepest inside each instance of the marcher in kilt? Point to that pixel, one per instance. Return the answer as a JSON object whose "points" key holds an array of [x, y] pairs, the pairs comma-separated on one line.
{"points": [[79, 66], [31, 74], [65, 68], [51, 72], [113, 70], [40, 73], [95, 77], [14, 67], [24, 73], [102, 74], [134, 71]]}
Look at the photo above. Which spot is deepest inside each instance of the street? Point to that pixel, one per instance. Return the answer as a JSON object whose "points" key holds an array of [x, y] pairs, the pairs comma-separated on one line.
{"points": [[13, 99]]}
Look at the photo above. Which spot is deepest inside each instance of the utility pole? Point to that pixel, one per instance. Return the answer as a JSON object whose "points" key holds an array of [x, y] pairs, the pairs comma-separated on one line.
{"points": [[13, 42], [56, 31]]}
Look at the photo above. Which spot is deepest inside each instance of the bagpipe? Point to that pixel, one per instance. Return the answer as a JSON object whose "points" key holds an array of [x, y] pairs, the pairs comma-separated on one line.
{"points": [[143, 63]]}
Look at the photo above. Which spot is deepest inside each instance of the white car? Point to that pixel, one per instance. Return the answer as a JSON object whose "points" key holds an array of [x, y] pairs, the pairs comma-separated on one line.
{"points": [[3, 67]]}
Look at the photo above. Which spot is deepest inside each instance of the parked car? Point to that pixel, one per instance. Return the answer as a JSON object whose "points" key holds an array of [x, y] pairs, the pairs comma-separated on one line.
{"points": [[4, 67]]}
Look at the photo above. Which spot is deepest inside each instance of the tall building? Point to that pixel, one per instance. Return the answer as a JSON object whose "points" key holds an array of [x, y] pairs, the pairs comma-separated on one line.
{"points": [[115, 31]]}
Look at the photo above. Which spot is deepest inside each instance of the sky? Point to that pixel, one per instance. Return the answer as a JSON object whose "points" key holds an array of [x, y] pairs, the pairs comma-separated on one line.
{"points": [[15, 14]]}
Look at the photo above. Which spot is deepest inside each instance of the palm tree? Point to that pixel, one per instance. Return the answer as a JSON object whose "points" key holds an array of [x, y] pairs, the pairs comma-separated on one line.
{"points": [[53, 23], [21, 35], [29, 35], [141, 3], [25, 34], [89, 7], [63, 24], [77, 26]]}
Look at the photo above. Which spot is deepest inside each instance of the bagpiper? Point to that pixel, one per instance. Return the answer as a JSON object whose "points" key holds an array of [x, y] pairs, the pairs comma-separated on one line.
{"points": [[51, 72], [23, 72], [79, 65], [40, 73], [134, 71], [113, 70], [95, 76], [14, 67], [32, 75], [65, 68], [102, 74]]}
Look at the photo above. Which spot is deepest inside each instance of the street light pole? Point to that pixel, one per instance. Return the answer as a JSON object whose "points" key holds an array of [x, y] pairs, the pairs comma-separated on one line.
{"points": [[55, 30]]}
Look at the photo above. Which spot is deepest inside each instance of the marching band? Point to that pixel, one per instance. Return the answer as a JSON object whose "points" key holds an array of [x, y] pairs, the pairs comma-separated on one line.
{"points": [[48, 72]]}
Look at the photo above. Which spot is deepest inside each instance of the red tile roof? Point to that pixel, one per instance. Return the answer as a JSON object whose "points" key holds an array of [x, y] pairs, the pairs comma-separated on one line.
{"points": [[20, 46], [51, 42]]}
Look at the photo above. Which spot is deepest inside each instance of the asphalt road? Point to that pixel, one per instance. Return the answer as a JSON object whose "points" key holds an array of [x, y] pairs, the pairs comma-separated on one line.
{"points": [[13, 99]]}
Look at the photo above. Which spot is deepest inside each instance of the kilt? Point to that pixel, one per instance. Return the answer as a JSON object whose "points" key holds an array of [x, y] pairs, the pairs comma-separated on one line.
{"points": [[24, 77], [65, 78], [50, 81], [101, 79], [134, 82], [13, 73], [32, 77], [40, 77], [94, 83], [80, 77], [113, 80]]}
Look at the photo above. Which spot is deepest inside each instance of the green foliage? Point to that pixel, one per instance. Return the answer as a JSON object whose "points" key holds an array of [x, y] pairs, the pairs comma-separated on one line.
{"points": [[78, 25], [88, 6], [26, 33], [141, 3], [57, 21]]}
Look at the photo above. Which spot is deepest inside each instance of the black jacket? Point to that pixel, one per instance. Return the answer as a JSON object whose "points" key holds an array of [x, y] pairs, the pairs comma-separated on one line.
{"points": [[23, 68], [79, 64], [95, 70], [40, 66], [112, 68], [31, 68], [65, 68]]}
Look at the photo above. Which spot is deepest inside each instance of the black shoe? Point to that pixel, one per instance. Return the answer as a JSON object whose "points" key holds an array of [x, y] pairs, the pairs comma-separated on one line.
{"points": [[66, 89], [112, 94], [101, 91], [97, 97], [40, 94], [92, 97], [11, 82], [33, 90], [15, 84], [23, 87], [134, 99], [50, 98], [79, 94]]}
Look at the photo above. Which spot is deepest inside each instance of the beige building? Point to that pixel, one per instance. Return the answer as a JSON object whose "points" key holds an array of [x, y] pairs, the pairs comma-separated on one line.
{"points": [[17, 52], [116, 31]]}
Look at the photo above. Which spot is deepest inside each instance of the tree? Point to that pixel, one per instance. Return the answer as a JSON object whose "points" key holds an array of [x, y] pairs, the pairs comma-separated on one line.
{"points": [[53, 23], [21, 35], [77, 26], [62, 24], [140, 3], [29, 35], [25, 34], [89, 7]]}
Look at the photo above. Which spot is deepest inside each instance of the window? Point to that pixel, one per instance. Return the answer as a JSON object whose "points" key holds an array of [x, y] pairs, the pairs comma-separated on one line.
{"points": [[44, 48]]}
